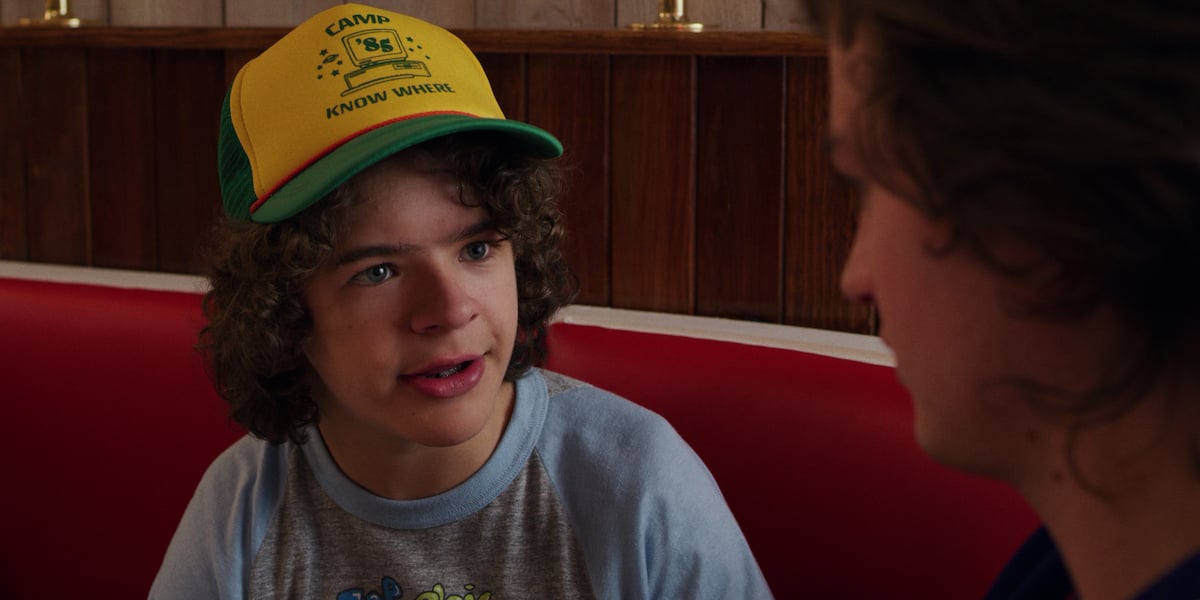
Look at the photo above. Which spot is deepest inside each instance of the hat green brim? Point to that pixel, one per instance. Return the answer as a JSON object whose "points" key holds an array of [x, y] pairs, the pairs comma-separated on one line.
{"points": [[328, 172]]}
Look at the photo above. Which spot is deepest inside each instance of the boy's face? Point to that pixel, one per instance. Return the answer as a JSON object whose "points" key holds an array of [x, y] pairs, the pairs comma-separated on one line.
{"points": [[414, 319], [954, 324]]}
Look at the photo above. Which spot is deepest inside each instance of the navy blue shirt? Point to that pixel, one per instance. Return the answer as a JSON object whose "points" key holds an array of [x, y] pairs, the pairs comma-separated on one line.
{"points": [[1037, 572]]}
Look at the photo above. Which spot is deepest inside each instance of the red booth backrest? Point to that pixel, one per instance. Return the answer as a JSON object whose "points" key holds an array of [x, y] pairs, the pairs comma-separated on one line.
{"points": [[110, 421], [816, 457]]}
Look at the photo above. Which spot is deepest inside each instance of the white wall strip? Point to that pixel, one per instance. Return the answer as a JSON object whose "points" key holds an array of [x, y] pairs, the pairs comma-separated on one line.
{"points": [[863, 348], [96, 276]]}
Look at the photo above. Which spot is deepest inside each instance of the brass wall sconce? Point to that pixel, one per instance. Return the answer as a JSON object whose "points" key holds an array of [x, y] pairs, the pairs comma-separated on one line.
{"points": [[671, 17], [58, 14]]}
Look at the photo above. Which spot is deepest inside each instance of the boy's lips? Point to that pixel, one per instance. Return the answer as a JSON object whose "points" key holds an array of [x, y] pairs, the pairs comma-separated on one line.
{"points": [[444, 369], [446, 378]]}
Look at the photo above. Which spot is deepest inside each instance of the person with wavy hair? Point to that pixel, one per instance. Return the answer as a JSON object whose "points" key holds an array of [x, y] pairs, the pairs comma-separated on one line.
{"points": [[381, 290], [1029, 232], [257, 321]]}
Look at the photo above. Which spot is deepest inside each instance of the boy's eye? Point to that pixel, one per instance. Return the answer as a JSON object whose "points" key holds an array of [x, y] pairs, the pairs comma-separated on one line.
{"points": [[374, 274], [476, 251]]}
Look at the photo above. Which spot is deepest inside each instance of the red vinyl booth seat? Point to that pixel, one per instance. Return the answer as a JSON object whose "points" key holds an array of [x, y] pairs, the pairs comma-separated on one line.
{"points": [[110, 421]]}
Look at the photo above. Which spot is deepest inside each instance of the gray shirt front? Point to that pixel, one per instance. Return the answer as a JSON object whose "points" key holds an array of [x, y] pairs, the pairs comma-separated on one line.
{"points": [[587, 495]]}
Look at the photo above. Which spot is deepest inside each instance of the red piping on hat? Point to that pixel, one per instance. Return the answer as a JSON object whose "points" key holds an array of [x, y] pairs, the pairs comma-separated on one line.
{"points": [[339, 143]]}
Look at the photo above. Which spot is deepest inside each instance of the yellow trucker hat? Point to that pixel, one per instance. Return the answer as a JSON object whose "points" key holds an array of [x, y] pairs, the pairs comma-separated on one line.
{"points": [[345, 89]]}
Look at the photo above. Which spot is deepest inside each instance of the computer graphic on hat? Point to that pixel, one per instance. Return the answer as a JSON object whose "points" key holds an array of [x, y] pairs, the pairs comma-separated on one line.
{"points": [[378, 54]]}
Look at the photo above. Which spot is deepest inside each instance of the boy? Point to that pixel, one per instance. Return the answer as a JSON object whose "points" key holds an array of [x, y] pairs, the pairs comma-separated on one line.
{"points": [[380, 294], [1030, 235]]}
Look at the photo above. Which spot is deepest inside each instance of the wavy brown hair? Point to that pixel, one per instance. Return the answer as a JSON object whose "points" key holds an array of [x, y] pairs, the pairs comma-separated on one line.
{"points": [[257, 322], [1071, 127]]}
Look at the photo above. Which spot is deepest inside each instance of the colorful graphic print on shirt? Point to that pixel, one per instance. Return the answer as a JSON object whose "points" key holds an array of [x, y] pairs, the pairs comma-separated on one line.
{"points": [[392, 591]]}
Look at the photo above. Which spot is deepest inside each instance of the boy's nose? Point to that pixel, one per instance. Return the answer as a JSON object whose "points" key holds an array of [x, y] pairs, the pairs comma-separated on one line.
{"points": [[444, 302], [855, 279]]}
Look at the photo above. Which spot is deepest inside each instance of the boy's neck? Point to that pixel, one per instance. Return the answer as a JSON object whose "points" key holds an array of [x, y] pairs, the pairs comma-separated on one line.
{"points": [[408, 471], [1135, 519]]}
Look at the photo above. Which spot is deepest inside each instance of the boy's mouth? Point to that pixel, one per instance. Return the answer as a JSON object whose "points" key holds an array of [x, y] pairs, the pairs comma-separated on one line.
{"points": [[442, 374], [448, 379]]}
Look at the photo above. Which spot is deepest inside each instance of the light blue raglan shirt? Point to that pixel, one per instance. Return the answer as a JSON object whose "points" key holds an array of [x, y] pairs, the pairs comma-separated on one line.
{"points": [[587, 496]]}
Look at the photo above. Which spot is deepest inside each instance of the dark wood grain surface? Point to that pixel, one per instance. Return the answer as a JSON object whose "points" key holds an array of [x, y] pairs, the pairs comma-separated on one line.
{"points": [[697, 180], [653, 183], [122, 167], [13, 122], [569, 95], [740, 156], [57, 201]]}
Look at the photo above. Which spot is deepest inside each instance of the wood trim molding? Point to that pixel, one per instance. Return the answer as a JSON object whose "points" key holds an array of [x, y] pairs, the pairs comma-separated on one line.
{"points": [[501, 41]]}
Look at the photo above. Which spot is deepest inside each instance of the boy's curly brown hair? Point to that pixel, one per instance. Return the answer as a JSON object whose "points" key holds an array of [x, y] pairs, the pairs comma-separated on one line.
{"points": [[258, 324]]}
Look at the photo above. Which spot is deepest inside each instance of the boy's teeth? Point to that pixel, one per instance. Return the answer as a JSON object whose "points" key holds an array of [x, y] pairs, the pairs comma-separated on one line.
{"points": [[447, 372]]}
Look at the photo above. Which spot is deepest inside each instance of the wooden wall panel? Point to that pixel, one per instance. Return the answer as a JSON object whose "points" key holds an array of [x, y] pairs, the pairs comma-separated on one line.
{"points": [[451, 14], [122, 159], [568, 96], [739, 194], [653, 189], [785, 15], [239, 13], [821, 211], [188, 90], [178, 13], [697, 176], [560, 14], [545, 14], [727, 14], [12, 11], [92, 11], [13, 121], [718, 14], [635, 11], [56, 146], [506, 73]]}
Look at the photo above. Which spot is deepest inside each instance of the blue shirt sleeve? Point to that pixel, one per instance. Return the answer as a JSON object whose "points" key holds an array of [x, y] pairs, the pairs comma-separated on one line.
{"points": [[648, 514]]}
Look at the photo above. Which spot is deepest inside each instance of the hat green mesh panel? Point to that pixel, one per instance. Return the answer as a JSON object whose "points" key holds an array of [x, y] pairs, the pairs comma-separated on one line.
{"points": [[237, 180]]}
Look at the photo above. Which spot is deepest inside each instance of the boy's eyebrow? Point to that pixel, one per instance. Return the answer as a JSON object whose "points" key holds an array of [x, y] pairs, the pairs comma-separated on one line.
{"points": [[386, 250], [483, 226]]}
